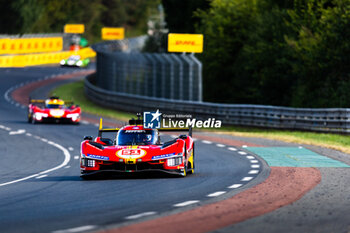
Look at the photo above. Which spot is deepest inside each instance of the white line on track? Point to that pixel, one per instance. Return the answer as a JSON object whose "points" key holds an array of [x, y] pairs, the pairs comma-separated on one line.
{"points": [[20, 131], [39, 177], [29, 134], [207, 142], [254, 161], [84, 122], [220, 145], [250, 157], [6, 95], [186, 203], [77, 157], [242, 153], [255, 166], [244, 146], [253, 172], [140, 215], [77, 229], [70, 148], [248, 178], [64, 163], [96, 125], [216, 194], [67, 166], [173, 136], [7, 128], [44, 140], [234, 186]]}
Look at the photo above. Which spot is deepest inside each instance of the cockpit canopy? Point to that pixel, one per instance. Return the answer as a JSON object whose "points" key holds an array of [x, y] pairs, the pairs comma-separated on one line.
{"points": [[74, 58], [137, 137], [54, 103]]}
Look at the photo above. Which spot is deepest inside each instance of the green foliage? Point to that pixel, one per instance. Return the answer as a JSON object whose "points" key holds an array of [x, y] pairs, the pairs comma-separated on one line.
{"points": [[290, 53], [41, 16]]}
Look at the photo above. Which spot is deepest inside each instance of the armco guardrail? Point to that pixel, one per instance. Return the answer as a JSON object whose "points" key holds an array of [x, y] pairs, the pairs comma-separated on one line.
{"points": [[322, 119]]}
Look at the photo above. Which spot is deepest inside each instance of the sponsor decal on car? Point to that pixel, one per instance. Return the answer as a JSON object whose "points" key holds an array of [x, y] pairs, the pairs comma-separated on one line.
{"points": [[165, 156], [57, 112], [97, 157], [131, 153], [135, 131]]}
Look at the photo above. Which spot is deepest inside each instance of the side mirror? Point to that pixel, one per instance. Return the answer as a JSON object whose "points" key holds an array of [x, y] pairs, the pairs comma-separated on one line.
{"points": [[88, 138]]}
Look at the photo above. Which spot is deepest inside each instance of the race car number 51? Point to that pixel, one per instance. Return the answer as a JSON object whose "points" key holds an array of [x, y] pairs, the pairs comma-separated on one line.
{"points": [[131, 153]]}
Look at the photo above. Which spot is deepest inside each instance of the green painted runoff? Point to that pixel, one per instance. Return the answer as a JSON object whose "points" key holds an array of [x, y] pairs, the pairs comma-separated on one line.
{"points": [[294, 157]]}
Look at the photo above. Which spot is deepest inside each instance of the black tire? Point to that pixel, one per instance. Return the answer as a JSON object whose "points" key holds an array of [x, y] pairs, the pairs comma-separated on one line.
{"points": [[30, 117]]}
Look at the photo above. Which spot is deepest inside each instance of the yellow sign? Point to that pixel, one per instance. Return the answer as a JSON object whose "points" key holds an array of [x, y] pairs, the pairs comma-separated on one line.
{"points": [[112, 33], [74, 28], [192, 43]]}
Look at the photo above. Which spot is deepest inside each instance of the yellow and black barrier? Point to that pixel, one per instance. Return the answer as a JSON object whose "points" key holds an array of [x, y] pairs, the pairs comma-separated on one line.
{"points": [[42, 58], [31, 45]]}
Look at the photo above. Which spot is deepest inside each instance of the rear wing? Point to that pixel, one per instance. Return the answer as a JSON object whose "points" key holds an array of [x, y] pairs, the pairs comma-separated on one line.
{"points": [[101, 129], [41, 101], [177, 130], [32, 101]]}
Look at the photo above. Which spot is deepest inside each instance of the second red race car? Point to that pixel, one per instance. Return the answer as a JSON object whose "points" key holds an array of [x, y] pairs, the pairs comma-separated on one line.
{"points": [[137, 149], [53, 110]]}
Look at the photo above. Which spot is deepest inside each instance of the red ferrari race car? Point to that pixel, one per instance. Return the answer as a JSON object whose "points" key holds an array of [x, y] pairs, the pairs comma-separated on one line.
{"points": [[53, 110], [137, 149]]}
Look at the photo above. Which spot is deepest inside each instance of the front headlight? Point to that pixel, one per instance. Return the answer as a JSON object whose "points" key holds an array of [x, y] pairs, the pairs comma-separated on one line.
{"points": [[39, 115], [74, 116], [174, 161]]}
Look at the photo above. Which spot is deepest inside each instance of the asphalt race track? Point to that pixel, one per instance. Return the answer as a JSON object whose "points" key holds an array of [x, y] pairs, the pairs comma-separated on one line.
{"points": [[40, 187], [41, 190]]}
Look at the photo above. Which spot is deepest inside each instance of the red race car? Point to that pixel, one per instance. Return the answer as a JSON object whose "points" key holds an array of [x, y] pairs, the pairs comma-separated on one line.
{"points": [[137, 149], [53, 110]]}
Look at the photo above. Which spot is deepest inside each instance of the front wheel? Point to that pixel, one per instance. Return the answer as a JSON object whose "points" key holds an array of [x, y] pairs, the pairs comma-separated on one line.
{"points": [[191, 160]]}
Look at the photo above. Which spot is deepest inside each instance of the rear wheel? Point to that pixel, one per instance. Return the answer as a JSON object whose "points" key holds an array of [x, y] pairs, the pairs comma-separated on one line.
{"points": [[30, 117]]}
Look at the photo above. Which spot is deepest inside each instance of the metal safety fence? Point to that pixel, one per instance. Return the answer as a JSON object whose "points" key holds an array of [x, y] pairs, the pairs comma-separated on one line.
{"points": [[121, 68], [320, 119]]}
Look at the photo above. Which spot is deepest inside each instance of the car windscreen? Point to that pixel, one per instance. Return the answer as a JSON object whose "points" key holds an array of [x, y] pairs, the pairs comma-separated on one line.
{"points": [[55, 106], [74, 58], [136, 137]]}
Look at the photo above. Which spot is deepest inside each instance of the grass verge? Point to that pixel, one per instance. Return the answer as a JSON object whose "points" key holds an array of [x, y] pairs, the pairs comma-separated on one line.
{"points": [[75, 91]]}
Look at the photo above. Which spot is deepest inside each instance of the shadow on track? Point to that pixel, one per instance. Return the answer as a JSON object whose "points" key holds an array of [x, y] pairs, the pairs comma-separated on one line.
{"points": [[110, 176]]}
